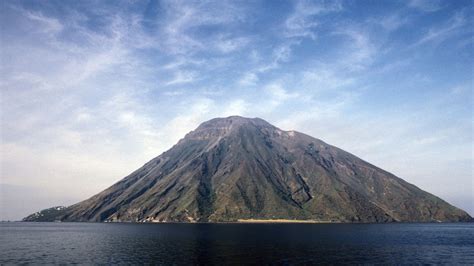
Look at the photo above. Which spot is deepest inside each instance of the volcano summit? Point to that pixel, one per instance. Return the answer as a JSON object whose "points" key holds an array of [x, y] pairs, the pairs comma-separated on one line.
{"points": [[236, 168]]}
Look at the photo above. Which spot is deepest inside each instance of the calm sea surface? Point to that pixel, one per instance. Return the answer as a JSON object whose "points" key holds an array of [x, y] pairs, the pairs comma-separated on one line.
{"points": [[46, 243]]}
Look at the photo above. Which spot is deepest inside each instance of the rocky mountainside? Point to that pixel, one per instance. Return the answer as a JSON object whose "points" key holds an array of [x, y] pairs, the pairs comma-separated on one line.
{"points": [[47, 215], [239, 168]]}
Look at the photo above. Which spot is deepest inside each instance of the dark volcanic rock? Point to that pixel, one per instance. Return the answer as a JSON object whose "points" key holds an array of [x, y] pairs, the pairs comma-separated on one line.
{"points": [[240, 168]]}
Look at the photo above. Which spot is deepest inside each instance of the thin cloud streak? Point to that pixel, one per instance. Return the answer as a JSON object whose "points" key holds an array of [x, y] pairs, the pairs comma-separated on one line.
{"points": [[439, 34]]}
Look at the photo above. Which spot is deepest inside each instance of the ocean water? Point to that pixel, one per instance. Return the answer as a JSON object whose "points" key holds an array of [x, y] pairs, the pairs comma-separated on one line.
{"points": [[218, 244]]}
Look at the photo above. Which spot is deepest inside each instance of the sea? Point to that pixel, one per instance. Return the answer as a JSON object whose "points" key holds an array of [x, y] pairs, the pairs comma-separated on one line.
{"points": [[236, 244]]}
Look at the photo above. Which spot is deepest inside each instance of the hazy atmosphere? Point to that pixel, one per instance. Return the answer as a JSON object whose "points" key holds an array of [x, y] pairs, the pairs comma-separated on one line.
{"points": [[91, 91]]}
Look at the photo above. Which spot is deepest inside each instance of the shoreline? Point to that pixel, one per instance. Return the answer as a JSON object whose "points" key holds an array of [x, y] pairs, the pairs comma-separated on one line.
{"points": [[271, 221], [243, 222]]}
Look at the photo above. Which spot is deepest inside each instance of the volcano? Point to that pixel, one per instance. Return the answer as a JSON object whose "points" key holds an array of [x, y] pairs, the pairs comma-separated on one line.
{"points": [[240, 169]]}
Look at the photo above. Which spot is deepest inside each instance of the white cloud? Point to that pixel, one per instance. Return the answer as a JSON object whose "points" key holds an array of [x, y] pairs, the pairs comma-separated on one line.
{"points": [[277, 96], [361, 50], [301, 23], [280, 54], [181, 77], [183, 16], [227, 45], [194, 112], [249, 79], [392, 22], [174, 93], [425, 5], [46, 24], [236, 107], [66, 105], [325, 77], [180, 62], [461, 89], [440, 33]]}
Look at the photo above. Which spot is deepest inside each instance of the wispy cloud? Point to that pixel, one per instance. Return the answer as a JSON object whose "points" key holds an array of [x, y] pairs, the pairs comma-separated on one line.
{"points": [[62, 93], [440, 33], [184, 16], [360, 49], [249, 79], [302, 23], [191, 114], [181, 77], [236, 107], [279, 55], [425, 5], [47, 25], [229, 44], [391, 22], [325, 77], [278, 93]]}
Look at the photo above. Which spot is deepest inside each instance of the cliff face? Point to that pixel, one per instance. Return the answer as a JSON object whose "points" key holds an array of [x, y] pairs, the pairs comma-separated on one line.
{"points": [[240, 168]]}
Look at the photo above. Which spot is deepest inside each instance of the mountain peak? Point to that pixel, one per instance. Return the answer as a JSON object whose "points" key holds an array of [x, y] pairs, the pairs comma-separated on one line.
{"points": [[234, 121], [236, 168], [222, 126]]}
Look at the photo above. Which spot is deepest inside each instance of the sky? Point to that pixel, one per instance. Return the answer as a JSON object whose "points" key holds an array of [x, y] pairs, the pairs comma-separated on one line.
{"points": [[91, 90]]}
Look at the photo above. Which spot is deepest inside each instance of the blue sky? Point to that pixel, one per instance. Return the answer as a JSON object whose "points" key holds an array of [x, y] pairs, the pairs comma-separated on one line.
{"points": [[91, 90]]}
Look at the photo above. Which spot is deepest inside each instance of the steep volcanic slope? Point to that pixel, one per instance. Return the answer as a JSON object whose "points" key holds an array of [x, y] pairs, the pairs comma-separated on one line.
{"points": [[240, 168]]}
